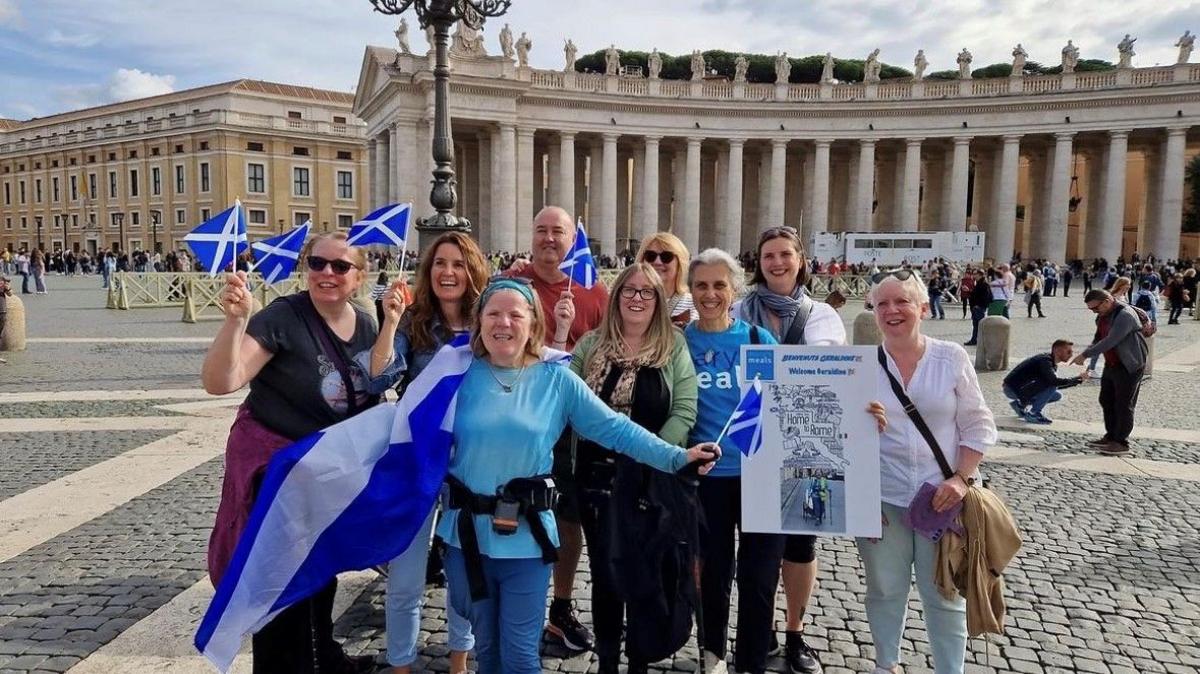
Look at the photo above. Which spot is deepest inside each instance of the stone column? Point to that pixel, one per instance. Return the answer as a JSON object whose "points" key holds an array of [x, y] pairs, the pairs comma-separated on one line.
{"points": [[553, 172], [956, 220], [819, 222], [606, 223], [1093, 202], [890, 182], [524, 215], [595, 190], [862, 221], [539, 179], [1054, 245], [566, 172], [678, 188], [721, 188], [806, 199], [733, 188], [650, 181], [762, 192], [373, 163], [1166, 241], [622, 201], [1001, 238], [778, 183], [708, 201], [504, 189], [1112, 223], [794, 193], [911, 195], [982, 201], [484, 228], [691, 198], [637, 205], [1151, 206]]}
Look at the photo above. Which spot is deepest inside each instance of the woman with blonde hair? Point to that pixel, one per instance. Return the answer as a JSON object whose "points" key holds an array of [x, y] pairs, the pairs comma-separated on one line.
{"points": [[669, 257], [638, 364]]}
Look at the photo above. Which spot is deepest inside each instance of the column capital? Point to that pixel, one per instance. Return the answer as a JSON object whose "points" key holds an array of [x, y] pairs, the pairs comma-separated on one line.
{"points": [[962, 140], [694, 140], [1011, 138], [507, 127], [913, 142], [1061, 136], [1118, 133], [867, 141], [1177, 130], [823, 142], [566, 135], [779, 142], [526, 131], [610, 136], [740, 142], [651, 139]]}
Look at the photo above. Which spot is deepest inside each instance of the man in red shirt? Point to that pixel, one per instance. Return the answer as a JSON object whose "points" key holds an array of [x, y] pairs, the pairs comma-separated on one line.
{"points": [[571, 310]]}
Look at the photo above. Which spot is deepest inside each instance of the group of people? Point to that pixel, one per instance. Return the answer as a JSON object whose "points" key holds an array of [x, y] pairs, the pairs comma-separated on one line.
{"points": [[653, 369]]}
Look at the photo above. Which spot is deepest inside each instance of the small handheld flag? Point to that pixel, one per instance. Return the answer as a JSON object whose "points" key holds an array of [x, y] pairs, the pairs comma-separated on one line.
{"points": [[744, 427], [217, 242], [279, 254], [387, 226], [579, 263]]}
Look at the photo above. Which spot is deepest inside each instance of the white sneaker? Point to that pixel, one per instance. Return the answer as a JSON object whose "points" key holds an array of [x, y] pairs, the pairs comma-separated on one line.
{"points": [[713, 664]]}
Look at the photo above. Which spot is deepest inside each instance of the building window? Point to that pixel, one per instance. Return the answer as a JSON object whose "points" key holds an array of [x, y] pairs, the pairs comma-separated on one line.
{"points": [[113, 219], [257, 216], [133, 154], [112, 156], [204, 145], [92, 186], [292, 114], [345, 185], [7, 194], [24, 223], [37, 190], [180, 216], [204, 177], [133, 182], [345, 221], [75, 220], [300, 217], [343, 154], [154, 152], [91, 159], [8, 223], [178, 148], [339, 120], [58, 221], [205, 214], [300, 186], [54, 188], [256, 180], [254, 147], [74, 188], [21, 190], [155, 181], [135, 218], [300, 151], [112, 184], [179, 185]]}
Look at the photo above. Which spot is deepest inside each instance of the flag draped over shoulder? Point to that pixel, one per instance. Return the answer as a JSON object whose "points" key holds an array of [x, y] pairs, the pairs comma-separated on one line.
{"points": [[349, 497], [745, 425], [579, 263], [279, 254], [387, 226], [217, 242]]}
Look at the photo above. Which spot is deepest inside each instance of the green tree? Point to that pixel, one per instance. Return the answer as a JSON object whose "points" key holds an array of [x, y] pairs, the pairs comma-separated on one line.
{"points": [[1191, 216]]}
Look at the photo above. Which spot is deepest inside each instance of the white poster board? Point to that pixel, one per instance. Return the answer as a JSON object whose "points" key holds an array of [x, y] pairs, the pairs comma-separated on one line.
{"points": [[817, 471]]}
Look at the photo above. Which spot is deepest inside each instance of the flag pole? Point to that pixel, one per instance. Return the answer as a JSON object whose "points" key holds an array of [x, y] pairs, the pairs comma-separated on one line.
{"points": [[730, 421]]}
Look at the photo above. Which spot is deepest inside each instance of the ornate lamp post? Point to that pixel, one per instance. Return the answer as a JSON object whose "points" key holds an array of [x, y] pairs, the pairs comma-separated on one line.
{"points": [[155, 216], [442, 14]]}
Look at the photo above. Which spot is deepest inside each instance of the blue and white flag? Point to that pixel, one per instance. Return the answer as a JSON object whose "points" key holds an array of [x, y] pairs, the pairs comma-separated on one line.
{"points": [[579, 264], [349, 497], [745, 425], [387, 225], [219, 241], [280, 253]]}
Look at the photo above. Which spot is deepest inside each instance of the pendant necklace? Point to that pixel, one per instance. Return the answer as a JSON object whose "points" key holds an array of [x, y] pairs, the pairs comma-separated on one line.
{"points": [[507, 388]]}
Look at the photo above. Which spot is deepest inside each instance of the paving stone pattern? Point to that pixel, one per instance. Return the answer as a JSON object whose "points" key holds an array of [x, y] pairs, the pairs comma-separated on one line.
{"points": [[63, 599], [33, 459], [87, 408], [1073, 443]]}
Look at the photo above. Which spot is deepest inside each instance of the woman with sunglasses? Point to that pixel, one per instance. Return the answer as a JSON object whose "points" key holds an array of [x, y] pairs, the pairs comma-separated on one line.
{"points": [[940, 380], [637, 363], [295, 354], [449, 279], [499, 526], [666, 253], [779, 304]]}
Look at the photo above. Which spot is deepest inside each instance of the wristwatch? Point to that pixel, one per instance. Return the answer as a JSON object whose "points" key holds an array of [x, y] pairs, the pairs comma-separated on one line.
{"points": [[968, 480]]}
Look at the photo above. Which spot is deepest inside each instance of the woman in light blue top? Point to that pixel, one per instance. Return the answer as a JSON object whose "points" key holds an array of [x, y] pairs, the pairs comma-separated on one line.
{"points": [[451, 275], [512, 407]]}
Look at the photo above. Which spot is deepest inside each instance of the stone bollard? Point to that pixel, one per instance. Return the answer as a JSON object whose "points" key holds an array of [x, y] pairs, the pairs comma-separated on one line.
{"points": [[13, 338], [992, 353], [1149, 358], [866, 332]]}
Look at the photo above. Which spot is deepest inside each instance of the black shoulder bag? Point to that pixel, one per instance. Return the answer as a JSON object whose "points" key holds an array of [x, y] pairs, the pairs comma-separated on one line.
{"points": [[324, 338], [911, 410]]}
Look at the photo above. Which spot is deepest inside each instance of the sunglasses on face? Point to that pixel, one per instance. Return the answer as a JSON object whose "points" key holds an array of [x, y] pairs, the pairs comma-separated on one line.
{"points": [[340, 267], [900, 274], [629, 292], [653, 256]]}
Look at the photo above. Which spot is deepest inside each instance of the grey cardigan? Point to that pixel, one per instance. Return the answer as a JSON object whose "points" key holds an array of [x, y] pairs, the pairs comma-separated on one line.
{"points": [[1125, 335]]}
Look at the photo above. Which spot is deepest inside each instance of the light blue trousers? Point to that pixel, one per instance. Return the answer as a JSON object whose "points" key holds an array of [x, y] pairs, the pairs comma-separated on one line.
{"points": [[889, 564], [406, 594]]}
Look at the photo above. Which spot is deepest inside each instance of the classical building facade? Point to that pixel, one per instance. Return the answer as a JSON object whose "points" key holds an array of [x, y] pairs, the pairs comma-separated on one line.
{"points": [[1058, 166], [142, 173]]}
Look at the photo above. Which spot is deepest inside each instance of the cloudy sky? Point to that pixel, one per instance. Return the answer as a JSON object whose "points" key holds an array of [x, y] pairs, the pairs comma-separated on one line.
{"points": [[58, 55]]}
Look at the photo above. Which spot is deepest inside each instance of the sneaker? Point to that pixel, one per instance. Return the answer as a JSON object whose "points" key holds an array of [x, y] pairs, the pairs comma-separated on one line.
{"points": [[1099, 442], [1114, 449], [801, 658], [1038, 419], [564, 626], [1017, 407], [714, 664]]}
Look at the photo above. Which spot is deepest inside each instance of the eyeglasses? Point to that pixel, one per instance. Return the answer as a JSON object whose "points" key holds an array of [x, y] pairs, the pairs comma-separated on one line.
{"points": [[653, 256], [899, 274], [340, 267], [629, 292]]}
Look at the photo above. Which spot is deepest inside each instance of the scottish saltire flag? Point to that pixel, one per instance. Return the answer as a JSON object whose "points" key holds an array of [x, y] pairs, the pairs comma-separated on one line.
{"points": [[579, 264], [745, 426], [349, 497], [217, 242], [279, 254], [387, 225]]}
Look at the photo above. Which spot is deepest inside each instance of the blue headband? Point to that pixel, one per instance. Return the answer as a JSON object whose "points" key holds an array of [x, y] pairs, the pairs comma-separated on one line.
{"points": [[497, 285]]}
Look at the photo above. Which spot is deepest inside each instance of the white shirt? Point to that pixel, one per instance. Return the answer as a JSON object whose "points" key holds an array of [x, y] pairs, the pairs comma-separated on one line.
{"points": [[823, 328], [962, 419]]}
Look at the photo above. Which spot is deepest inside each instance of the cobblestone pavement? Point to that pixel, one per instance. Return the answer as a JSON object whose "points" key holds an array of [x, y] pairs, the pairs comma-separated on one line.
{"points": [[1108, 580]]}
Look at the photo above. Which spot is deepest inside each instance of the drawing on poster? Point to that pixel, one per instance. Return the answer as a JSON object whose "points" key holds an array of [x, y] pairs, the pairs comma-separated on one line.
{"points": [[812, 477]]}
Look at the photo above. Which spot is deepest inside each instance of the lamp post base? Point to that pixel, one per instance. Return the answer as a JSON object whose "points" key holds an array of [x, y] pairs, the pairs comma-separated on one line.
{"points": [[440, 223]]}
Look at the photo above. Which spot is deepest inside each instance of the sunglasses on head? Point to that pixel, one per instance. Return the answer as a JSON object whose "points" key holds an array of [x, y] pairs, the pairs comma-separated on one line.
{"points": [[340, 267], [653, 256], [900, 274]]}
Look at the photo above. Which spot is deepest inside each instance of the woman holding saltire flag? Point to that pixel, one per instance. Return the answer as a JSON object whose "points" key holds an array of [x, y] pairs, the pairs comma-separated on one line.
{"points": [[295, 354], [499, 523]]}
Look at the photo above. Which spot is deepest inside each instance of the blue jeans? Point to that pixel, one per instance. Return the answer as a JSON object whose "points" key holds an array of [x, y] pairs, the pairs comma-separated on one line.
{"points": [[888, 564], [405, 594], [1038, 402], [935, 306], [508, 623]]}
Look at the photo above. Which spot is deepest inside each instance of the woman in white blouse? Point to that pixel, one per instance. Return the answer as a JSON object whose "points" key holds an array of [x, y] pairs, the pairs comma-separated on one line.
{"points": [[939, 379]]}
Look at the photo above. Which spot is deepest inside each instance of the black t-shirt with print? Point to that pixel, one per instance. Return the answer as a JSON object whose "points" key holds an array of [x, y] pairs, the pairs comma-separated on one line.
{"points": [[299, 391]]}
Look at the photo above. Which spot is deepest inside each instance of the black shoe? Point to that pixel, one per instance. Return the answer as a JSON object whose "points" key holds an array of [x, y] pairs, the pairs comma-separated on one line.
{"points": [[970, 343], [801, 658], [357, 664], [566, 628]]}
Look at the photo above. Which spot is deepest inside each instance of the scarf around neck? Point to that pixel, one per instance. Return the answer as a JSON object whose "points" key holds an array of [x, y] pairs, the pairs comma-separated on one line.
{"points": [[761, 300]]}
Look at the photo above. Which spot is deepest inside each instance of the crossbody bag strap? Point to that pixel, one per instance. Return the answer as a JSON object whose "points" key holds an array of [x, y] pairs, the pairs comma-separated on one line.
{"points": [[322, 335], [911, 410], [795, 333]]}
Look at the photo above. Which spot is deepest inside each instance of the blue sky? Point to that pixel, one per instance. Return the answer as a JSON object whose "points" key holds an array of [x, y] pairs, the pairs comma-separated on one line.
{"points": [[58, 55]]}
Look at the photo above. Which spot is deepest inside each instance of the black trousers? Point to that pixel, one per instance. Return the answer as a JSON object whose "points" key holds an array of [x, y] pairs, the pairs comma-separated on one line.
{"points": [[608, 611], [758, 557], [300, 639], [1118, 396]]}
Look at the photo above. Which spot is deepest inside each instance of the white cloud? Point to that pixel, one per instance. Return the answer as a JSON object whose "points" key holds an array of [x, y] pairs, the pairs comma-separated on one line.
{"points": [[129, 83], [81, 41], [10, 14]]}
